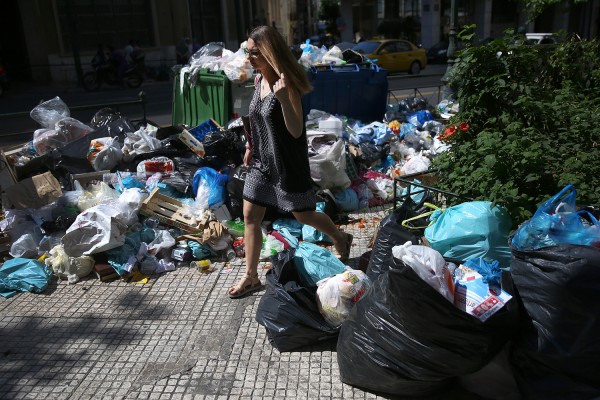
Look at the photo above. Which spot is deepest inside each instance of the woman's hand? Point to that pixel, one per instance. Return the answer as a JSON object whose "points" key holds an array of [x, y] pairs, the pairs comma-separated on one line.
{"points": [[291, 106], [280, 89], [247, 156]]}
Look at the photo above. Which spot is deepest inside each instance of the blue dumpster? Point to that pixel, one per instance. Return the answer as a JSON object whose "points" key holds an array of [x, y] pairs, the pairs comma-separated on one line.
{"points": [[358, 92]]}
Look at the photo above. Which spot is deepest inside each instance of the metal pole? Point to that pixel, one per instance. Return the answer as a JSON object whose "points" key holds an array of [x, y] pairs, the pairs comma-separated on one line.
{"points": [[448, 92]]}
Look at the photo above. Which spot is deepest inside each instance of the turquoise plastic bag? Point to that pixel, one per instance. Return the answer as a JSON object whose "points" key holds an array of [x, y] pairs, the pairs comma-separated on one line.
{"points": [[23, 275], [313, 262], [312, 235], [471, 230]]}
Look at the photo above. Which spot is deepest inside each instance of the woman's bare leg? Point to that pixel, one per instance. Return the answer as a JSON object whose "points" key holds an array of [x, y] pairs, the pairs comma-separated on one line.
{"points": [[323, 223], [253, 217]]}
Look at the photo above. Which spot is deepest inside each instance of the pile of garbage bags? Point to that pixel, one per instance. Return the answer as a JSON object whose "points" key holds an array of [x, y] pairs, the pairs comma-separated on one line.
{"points": [[446, 292]]}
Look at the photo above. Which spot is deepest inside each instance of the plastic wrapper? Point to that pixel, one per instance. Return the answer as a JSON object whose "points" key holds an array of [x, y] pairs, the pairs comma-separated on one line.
{"points": [[557, 354], [288, 310], [337, 295], [49, 112], [406, 339], [154, 165]]}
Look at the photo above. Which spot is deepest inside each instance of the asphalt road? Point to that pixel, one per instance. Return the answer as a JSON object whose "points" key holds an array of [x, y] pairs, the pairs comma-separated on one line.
{"points": [[22, 98]]}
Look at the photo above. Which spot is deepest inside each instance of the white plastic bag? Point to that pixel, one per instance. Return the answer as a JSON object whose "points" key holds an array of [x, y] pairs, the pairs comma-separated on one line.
{"points": [[337, 295], [104, 153], [429, 264], [417, 163], [69, 268], [99, 193], [95, 230], [328, 167]]}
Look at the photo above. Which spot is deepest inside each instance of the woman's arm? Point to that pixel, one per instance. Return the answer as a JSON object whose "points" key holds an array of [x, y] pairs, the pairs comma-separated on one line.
{"points": [[291, 105]]}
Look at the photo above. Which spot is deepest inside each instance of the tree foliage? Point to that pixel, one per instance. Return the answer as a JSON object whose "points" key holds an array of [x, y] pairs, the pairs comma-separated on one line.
{"points": [[534, 8], [534, 115]]}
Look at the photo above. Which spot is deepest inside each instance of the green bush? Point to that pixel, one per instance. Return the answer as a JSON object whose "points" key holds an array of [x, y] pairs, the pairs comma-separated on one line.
{"points": [[533, 114]]}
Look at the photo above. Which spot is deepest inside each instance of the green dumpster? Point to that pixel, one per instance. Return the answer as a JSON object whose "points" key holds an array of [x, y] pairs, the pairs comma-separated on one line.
{"points": [[209, 98]]}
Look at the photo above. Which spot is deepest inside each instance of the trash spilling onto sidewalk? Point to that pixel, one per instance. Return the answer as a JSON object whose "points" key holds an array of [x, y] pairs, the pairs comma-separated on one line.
{"points": [[445, 289]]}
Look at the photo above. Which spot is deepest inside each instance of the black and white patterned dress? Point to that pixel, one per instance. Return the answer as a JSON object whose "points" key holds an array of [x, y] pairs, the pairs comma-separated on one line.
{"points": [[279, 173]]}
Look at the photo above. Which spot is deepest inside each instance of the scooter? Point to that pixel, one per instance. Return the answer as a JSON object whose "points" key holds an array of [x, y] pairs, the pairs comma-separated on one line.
{"points": [[107, 74]]}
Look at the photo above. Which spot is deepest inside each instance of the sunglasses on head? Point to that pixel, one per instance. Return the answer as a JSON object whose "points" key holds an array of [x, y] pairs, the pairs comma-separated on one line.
{"points": [[253, 52]]}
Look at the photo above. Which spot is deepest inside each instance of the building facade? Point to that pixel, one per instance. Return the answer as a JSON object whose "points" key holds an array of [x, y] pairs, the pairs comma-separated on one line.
{"points": [[45, 40]]}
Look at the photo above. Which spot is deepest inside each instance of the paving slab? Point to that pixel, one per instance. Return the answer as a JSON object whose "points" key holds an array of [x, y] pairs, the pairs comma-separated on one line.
{"points": [[177, 336]]}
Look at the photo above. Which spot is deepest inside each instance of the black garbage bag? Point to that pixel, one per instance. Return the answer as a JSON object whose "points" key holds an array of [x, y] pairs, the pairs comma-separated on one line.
{"points": [[371, 154], [557, 354], [288, 310], [391, 233], [405, 338], [103, 117], [222, 148], [235, 188]]}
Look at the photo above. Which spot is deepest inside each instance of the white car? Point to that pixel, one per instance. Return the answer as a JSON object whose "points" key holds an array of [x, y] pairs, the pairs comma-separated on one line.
{"points": [[541, 38]]}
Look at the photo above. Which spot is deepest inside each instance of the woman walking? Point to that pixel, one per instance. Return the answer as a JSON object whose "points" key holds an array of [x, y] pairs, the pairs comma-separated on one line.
{"points": [[277, 154]]}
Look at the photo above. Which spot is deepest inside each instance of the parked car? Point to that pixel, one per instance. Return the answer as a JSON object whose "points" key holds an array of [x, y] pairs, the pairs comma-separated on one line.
{"points": [[541, 38], [438, 53], [394, 54]]}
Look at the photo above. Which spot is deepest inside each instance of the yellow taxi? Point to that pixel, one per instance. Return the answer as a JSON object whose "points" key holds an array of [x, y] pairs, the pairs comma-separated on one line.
{"points": [[394, 54]]}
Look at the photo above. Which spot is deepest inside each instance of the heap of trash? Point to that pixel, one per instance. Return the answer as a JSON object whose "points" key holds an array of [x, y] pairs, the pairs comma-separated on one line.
{"points": [[445, 293]]}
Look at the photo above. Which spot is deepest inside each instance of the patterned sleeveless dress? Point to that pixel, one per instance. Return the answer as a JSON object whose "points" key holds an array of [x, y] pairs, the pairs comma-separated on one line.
{"points": [[279, 172]]}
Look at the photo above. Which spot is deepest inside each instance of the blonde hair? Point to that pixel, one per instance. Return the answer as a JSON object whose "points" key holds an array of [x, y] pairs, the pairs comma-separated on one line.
{"points": [[273, 48]]}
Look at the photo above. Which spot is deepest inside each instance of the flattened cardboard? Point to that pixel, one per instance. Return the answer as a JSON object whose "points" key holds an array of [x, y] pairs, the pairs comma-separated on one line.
{"points": [[34, 192]]}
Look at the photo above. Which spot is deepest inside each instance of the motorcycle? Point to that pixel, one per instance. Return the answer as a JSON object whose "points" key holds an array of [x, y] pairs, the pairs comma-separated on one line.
{"points": [[107, 74]]}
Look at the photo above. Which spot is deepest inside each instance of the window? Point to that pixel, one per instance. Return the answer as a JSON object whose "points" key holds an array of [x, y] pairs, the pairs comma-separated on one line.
{"points": [[403, 46], [111, 22]]}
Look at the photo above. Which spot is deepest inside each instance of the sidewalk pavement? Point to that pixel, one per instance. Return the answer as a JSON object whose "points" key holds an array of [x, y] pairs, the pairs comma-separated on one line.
{"points": [[177, 337]]}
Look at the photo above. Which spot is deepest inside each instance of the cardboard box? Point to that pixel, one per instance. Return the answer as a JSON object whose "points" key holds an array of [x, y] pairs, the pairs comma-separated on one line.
{"points": [[190, 141], [34, 192]]}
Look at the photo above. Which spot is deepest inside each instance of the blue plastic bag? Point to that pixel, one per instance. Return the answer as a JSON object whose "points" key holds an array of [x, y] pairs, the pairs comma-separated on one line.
{"points": [[23, 275], [419, 118], [346, 200], [216, 182], [471, 230], [556, 222]]}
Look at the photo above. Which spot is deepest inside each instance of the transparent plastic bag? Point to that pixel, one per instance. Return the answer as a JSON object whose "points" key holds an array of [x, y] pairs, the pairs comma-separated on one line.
{"points": [[49, 112]]}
